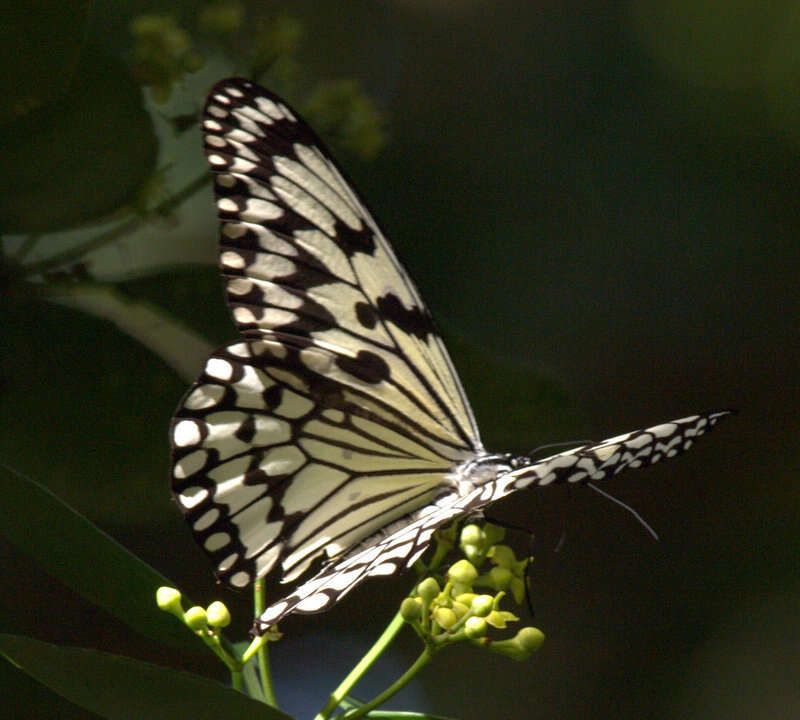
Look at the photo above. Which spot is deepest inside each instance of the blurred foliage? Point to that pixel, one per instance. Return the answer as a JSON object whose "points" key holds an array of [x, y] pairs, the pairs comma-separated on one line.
{"points": [[162, 54], [96, 120], [60, 163], [342, 112], [743, 50]]}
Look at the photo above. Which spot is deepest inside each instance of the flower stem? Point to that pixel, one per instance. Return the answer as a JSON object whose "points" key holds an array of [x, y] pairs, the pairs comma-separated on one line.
{"points": [[126, 227], [236, 680], [363, 665], [423, 659], [262, 653]]}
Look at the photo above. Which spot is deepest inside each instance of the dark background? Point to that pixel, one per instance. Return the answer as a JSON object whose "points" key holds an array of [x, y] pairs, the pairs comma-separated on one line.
{"points": [[599, 203]]}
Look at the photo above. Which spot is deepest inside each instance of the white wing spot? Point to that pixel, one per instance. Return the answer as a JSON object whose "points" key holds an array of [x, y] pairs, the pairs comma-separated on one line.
{"points": [[664, 430], [219, 369], [206, 520], [241, 350], [258, 211], [385, 568], [226, 564], [240, 579], [233, 260], [313, 603], [189, 464], [204, 396], [244, 316], [268, 107], [216, 541], [192, 496], [227, 205], [186, 433], [216, 111]]}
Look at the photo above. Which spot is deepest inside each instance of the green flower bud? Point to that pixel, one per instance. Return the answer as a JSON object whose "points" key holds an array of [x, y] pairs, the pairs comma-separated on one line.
{"points": [[169, 600], [195, 618], [466, 598], [473, 553], [218, 615], [503, 556], [493, 534], [471, 535], [530, 639], [517, 588], [499, 618], [482, 605], [445, 617], [521, 646], [428, 589], [460, 609], [475, 628], [463, 572], [411, 609], [499, 578]]}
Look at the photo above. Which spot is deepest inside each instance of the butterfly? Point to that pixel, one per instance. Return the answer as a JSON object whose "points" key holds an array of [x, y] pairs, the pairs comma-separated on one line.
{"points": [[331, 440]]}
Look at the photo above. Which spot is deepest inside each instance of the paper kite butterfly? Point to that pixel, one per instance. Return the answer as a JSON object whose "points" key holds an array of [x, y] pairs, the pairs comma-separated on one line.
{"points": [[334, 436]]}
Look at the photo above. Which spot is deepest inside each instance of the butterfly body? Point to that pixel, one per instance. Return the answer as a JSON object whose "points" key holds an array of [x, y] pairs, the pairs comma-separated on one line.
{"points": [[334, 438]]}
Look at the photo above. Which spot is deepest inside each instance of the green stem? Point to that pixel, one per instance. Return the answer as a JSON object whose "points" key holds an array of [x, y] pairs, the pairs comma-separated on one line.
{"points": [[401, 682], [262, 653], [363, 665], [236, 679]]}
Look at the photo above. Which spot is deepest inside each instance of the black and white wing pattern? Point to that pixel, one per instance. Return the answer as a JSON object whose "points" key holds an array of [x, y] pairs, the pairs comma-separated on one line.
{"points": [[401, 545], [335, 433], [339, 411]]}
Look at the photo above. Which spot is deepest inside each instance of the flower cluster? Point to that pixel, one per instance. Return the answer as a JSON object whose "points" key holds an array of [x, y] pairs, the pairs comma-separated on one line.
{"points": [[163, 53], [455, 612], [207, 623]]}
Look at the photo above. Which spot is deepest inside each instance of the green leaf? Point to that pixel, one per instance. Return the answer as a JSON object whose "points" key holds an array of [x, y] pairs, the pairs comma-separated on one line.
{"points": [[352, 703], [83, 557], [403, 715], [120, 688]]}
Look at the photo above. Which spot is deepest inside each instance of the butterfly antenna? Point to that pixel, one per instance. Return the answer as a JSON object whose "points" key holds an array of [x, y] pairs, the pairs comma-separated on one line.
{"points": [[567, 443], [627, 507]]}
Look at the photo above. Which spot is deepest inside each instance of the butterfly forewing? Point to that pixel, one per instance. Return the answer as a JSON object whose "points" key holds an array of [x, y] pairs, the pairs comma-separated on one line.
{"points": [[303, 257]]}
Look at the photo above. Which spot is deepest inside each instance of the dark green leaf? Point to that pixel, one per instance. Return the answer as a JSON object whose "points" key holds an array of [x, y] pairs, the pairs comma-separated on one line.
{"points": [[83, 557], [120, 688]]}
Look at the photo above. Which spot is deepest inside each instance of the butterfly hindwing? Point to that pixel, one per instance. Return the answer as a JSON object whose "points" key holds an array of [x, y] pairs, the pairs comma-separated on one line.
{"points": [[401, 547], [276, 463]]}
